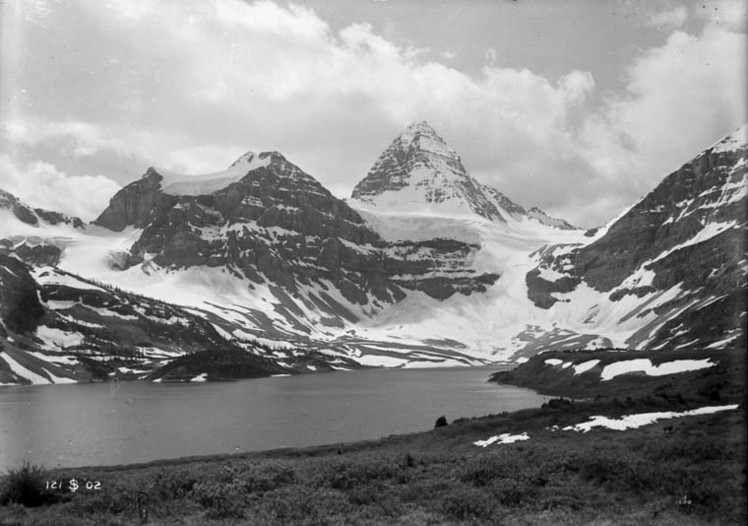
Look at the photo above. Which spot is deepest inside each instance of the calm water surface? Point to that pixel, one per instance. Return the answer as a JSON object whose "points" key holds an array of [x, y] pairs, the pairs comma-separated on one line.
{"points": [[98, 424]]}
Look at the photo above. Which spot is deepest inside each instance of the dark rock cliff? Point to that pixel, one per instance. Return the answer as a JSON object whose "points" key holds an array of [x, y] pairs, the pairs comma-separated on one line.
{"points": [[136, 204], [20, 308]]}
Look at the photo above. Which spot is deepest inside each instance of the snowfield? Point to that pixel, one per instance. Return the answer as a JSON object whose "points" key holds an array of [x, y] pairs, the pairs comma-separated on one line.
{"points": [[177, 184], [642, 419]]}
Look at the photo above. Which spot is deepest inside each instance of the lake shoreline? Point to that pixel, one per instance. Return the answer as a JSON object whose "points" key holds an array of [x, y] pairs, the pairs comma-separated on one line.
{"points": [[665, 453], [557, 475]]}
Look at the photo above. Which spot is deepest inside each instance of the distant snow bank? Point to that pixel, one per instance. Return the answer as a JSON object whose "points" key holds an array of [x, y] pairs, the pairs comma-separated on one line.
{"points": [[504, 438], [642, 365], [642, 419], [645, 366]]}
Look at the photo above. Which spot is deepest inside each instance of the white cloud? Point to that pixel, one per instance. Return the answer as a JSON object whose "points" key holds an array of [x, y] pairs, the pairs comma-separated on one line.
{"points": [[190, 86], [41, 185], [670, 18], [730, 14], [681, 98]]}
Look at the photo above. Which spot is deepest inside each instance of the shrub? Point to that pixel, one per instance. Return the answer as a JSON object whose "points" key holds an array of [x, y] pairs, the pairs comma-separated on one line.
{"points": [[513, 492], [296, 504], [347, 475], [441, 422], [607, 467], [26, 486], [267, 477], [111, 501], [469, 504], [482, 471], [368, 494], [173, 483], [571, 502], [558, 403], [221, 500]]}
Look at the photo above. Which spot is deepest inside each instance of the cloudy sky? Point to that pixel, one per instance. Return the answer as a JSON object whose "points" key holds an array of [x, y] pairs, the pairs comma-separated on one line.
{"points": [[579, 107]]}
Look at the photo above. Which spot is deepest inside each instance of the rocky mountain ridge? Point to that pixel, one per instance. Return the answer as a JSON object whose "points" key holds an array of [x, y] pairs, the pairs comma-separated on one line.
{"points": [[682, 247], [25, 242], [269, 262]]}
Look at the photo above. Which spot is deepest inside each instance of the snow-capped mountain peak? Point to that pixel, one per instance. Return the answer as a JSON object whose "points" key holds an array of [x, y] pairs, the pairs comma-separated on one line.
{"points": [[735, 141], [421, 136], [178, 184], [419, 172]]}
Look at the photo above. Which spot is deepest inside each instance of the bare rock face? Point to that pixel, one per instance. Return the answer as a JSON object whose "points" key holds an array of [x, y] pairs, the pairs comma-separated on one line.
{"points": [[277, 222], [702, 202], [35, 249], [437, 267], [35, 216], [20, 308], [540, 216], [136, 204]]}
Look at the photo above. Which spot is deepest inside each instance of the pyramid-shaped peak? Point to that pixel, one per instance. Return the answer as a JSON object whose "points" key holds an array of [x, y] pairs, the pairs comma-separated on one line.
{"points": [[421, 128], [420, 137]]}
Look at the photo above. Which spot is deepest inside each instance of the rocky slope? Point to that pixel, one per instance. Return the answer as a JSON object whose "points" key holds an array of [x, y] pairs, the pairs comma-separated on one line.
{"points": [[60, 328], [677, 257], [25, 231]]}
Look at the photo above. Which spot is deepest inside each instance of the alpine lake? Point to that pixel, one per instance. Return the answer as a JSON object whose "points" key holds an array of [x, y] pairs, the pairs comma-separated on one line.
{"points": [[116, 423]]}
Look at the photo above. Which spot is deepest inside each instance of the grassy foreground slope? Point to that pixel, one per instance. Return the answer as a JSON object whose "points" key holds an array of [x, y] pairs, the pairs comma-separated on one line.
{"points": [[682, 471]]}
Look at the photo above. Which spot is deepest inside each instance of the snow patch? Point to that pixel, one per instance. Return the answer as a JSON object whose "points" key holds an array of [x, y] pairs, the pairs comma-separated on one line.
{"points": [[644, 365], [586, 366], [23, 372], [642, 419], [733, 142], [504, 438], [58, 338]]}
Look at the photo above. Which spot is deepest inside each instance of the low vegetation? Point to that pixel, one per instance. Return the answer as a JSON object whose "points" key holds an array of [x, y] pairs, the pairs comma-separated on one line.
{"points": [[691, 473], [684, 471]]}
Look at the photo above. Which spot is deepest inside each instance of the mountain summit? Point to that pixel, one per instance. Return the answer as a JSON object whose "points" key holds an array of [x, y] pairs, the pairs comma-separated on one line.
{"points": [[419, 172]]}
